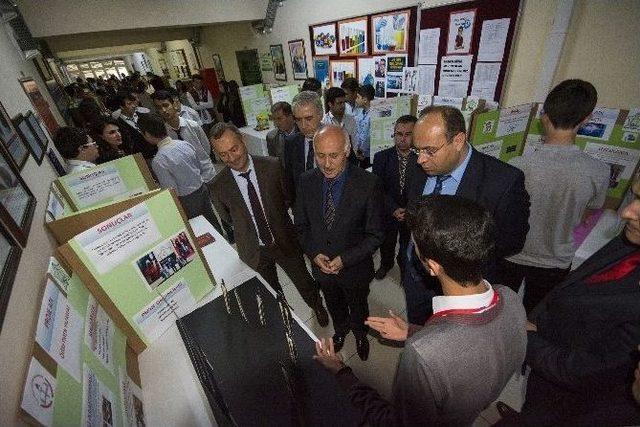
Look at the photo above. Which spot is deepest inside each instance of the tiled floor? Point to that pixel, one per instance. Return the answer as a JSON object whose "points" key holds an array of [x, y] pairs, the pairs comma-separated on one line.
{"points": [[379, 370]]}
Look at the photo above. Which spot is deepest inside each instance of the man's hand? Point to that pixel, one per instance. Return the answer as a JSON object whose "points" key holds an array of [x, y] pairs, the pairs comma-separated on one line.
{"points": [[322, 261], [391, 328], [399, 214], [531, 327], [326, 355], [336, 265]]}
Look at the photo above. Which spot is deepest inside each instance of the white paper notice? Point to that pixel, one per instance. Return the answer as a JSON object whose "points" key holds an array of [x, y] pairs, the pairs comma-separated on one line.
{"points": [[632, 122], [98, 333], [281, 94], [427, 76], [428, 49], [513, 120], [55, 206], [59, 274], [121, 237], [249, 92], [453, 88], [491, 148], [131, 401], [455, 67], [95, 186], [621, 160], [601, 124], [38, 394], [485, 79], [493, 39], [448, 101], [160, 314], [98, 404], [59, 331], [411, 79]]}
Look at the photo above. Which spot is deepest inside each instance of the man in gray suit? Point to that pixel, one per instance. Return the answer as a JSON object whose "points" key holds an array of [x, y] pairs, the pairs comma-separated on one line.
{"points": [[250, 192], [282, 117], [339, 218]]}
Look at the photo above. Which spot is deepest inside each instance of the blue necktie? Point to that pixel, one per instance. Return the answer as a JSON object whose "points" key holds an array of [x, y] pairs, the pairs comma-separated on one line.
{"points": [[440, 179], [309, 164]]}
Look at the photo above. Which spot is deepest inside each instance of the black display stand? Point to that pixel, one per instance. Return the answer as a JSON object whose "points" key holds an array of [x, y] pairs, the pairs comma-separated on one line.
{"points": [[240, 366]]}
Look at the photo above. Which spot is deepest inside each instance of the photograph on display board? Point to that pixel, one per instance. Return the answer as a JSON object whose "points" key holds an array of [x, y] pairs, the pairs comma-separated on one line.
{"points": [[366, 71], [353, 39], [460, 36], [166, 259], [324, 39], [340, 70], [390, 32], [277, 56], [298, 59], [11, 141], [321, 70], [381, 66]]}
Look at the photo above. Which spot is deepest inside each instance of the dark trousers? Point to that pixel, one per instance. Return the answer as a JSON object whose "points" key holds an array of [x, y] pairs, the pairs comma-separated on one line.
{"points": [[295, 268], [388, 247], [199, 203], [347, 304], [538, 281], [419, 290]]}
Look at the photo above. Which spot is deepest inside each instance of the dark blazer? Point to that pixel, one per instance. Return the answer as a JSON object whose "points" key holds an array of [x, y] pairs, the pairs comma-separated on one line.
{"points": [[358, 228], [274, 195], [588, 335], [276, 142], [137, 142], [386, 166], [294, 161], [496, 186]]}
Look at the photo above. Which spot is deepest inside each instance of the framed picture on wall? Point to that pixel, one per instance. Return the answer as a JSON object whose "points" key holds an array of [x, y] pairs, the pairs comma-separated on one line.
{"points": [[10, 253], [277, 58], [341, 69], [390, 32], [298, 59], [39, 103], [460, 31], [11, 141], [36, 142], [321, 70], [324, 39], [17, 203], [353, 39]]}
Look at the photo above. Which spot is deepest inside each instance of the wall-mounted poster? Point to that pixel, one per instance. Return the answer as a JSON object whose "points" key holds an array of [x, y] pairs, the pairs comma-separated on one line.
{"points": [[17, 203], [36, 145], [277, 56], [460, 31], [390, 32], [217, 65], [366, 71], [11, 141], [40, 104], [395, 76], [10, 254], [321, 70], [298, 59], [352, 37], [324, 40], [340, 70], [266, 63]]}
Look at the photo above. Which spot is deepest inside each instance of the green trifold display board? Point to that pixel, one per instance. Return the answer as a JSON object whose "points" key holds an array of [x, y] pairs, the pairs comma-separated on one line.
{"points": [[143, 265], [106, 183], [467, 106], [81, 370], [284, 93], [612, 136], [501, 133], [383, 115], [256, 104]]}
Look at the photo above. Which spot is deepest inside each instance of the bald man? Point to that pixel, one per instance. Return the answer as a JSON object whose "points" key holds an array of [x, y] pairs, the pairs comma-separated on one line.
{"points": [[338, 215]]}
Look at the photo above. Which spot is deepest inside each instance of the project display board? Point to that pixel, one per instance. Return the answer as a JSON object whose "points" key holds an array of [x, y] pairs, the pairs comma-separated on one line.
{"points": [[611, 135], [464, 48], [284, 93], [255, 104], [467, 106], [142, 264], [81, 371], [383, 114], [501, 133]]}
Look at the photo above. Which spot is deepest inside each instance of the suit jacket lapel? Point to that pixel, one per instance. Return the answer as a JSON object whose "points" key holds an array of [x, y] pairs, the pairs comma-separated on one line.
{"points": [[472, 177], [394, 167], [347, 192], [235, 196]]}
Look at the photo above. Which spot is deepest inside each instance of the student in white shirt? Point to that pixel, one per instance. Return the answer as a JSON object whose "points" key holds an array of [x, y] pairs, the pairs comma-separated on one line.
{"points": [[202, 101], [336, 103], [77, 147], [350, 86]]}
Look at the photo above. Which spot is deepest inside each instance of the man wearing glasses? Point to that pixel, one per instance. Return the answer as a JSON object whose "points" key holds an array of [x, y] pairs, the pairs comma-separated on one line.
{"points": [[447, 164]]}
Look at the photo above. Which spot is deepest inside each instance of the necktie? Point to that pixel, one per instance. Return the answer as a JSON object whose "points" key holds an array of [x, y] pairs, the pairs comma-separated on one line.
{"points": [[309, 161], [329, 205], [440, 179], [258, 213], [619, 270], [402, 170]]}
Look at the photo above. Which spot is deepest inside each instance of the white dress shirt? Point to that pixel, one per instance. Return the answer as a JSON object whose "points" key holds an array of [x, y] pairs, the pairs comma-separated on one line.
{"points": [[177, 166], [74, 165], [480, 302], [189, 131], [348, 123], [190, 114], [202, 107]]}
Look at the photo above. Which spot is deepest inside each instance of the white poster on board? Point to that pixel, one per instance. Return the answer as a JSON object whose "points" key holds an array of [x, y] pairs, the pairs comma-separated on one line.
{"points": [[493, 39]]}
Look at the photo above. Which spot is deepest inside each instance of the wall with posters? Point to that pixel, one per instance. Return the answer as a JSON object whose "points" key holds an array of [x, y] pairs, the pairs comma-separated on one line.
{"points": [[16, 339]]}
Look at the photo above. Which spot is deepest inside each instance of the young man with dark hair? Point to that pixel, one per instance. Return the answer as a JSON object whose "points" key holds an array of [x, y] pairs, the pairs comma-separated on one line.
{"points": [[313, 85], [365, 95], [176, 165], [184, 111], [563, 183], [335, 99], [455, 365], [282, 116], [350, 86], [394, 167], [202, 101], [77, 147], [127, 115]]}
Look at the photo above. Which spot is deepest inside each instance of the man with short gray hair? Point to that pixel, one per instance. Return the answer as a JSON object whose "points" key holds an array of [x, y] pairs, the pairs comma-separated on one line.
{"points": [[282, 117]]}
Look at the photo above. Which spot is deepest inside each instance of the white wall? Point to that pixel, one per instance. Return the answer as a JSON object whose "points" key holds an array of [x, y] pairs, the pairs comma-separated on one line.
{"points": [[16, 336]]}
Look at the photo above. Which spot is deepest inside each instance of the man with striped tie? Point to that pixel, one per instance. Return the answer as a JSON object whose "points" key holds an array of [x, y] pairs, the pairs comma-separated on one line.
{"points": [[338, 215]]}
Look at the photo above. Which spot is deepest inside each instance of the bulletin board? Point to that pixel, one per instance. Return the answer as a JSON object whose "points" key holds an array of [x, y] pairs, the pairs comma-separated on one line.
{"points": [[458, 48]]}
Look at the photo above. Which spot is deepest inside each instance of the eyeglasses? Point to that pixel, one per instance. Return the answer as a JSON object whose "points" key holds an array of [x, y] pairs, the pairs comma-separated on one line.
{"points": [[428, 151]]}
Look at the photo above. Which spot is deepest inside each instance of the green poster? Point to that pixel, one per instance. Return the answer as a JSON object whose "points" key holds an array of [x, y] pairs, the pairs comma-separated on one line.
{"points": [[256, 104], [384, 113], [146, 263], [501, 133], [266, 63], [109, 182], [467, 106]]}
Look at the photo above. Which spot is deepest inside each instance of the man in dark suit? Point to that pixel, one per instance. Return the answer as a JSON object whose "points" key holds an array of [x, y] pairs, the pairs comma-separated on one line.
{"points": [[447, 164], [250, 193], [583, 339], [298, 149], [338, 215], [282, 117], [127, 117], [392, 166]]}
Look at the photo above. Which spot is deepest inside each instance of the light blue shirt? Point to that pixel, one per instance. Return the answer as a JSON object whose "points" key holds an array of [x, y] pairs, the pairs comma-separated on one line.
{"points": [[449, 186], [363, 123]]}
